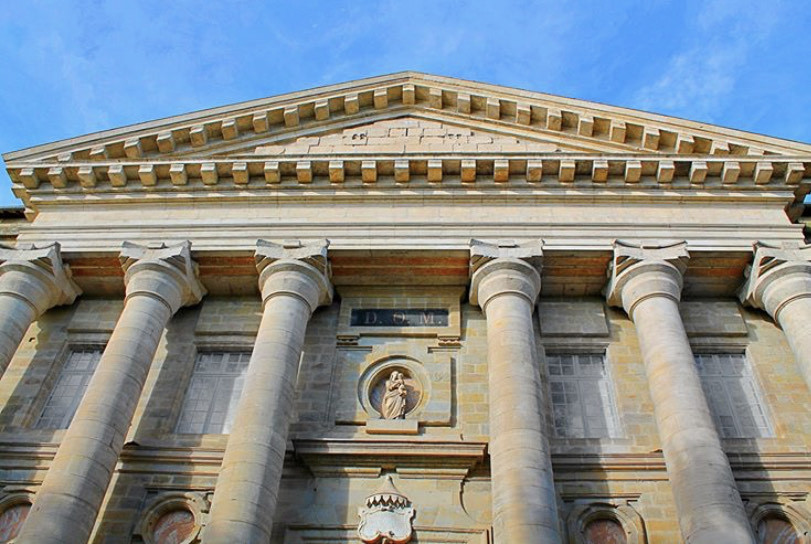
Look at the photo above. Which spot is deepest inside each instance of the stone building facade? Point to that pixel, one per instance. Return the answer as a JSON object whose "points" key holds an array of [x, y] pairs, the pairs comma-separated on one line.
{"points": [[407, 308]]}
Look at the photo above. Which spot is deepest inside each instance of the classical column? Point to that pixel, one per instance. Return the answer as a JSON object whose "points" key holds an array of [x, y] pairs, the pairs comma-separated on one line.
{"points": [[294, 281], [158, 282], [505, 282], [32, 280], [647, 283], [779, 281]]}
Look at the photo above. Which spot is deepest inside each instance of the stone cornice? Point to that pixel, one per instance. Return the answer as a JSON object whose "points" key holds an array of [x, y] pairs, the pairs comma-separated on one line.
{"points": [[543, 113], [631, 171]]}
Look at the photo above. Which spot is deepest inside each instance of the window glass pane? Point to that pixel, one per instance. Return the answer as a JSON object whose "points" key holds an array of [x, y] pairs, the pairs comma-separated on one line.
{"points": [[213, 393], [69, 389], [582, 402], [732, 395]]}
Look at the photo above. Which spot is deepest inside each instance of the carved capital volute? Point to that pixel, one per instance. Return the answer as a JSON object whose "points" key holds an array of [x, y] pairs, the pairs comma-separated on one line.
{"points": [[639, 272], [166, 273], [497, 269], [777, 276], [294, 269], [37, 275]]}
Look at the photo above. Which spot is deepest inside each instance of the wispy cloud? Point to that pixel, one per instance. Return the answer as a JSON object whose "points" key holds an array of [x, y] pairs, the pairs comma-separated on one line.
{"points": [[709, 67]]}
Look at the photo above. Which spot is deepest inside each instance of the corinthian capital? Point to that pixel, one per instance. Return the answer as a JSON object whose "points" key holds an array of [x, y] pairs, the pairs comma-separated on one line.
{"points": [[638, 271], [38, 275], [165, 272], [777, 275], [295, 268]]}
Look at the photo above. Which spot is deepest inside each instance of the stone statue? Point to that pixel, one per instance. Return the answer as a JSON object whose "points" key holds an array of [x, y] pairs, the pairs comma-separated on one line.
{"points": [[394, 398]]}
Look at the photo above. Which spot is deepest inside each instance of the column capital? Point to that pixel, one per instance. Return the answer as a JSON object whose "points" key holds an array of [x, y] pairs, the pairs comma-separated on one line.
{"points": [[638, 271], [295, 269], [167, 273], [38, 275], [504, 267], [778, 275]]}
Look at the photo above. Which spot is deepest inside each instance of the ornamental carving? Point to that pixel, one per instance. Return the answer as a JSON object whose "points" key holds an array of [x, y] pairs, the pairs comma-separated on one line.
{"points": [[174, 517], [387, 516]]}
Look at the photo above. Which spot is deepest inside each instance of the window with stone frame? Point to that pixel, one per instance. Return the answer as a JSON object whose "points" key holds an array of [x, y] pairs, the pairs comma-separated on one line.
{"points": [[581, 394], [69, 388], [733, 395], [213, 393]]}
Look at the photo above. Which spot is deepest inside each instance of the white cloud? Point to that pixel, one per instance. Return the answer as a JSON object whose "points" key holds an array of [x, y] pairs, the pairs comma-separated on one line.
{"points": [[705, 74]]}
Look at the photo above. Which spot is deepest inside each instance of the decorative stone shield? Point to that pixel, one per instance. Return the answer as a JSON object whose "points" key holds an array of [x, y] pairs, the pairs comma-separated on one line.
{"points": [[386, 518]]}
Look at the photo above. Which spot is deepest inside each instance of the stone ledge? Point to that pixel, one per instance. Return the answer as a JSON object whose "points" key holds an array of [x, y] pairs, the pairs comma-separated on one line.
{"points": [[392, 426]]}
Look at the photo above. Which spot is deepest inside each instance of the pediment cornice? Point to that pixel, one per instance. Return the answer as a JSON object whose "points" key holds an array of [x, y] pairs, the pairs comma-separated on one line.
{"points": [[557, 143], [589, 125]]}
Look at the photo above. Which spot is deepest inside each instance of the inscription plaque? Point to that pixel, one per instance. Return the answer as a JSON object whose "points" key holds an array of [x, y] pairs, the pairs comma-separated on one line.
{"points": [[432, 317]]}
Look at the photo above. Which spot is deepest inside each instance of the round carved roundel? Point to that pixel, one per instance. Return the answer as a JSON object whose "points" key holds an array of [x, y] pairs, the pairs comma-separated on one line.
{"points": [[173, 527], [775, 530], [11, 520], [604, 531]]}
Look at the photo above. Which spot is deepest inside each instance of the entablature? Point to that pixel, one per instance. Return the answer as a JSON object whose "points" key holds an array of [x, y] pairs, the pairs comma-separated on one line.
{"points": [[402, 176], [567, 270]]}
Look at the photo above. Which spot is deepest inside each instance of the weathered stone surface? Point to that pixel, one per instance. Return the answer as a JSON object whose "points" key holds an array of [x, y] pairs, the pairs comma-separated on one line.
{"points": [[400, 172], [572, 318]]}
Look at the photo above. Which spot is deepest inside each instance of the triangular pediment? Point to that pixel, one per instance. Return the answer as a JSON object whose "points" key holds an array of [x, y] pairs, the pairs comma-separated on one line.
{"points": [[512, 115]]}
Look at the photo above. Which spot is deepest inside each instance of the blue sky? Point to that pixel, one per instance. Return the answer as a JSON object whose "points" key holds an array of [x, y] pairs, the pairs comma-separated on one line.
{"points": [[73, 67]]}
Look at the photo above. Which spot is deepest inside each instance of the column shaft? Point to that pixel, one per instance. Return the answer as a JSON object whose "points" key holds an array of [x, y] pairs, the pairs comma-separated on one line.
{"points": [[67, 503], [16, 315], [294, 282], [709, 507], [159, 281], [795, 320], [248, 483], [524, 503]]}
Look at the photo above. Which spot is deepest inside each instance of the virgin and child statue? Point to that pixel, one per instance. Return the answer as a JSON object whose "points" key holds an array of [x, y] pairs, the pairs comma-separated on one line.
{"points": [[394, 398]]}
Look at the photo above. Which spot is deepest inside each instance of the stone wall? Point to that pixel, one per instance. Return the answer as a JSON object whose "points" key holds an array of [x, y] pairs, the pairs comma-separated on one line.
{"points": [[334, 463]]}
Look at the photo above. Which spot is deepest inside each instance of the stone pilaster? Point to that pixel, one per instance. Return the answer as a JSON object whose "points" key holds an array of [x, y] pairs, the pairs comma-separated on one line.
{"points": [[779, 281], [294, 281], [647, 283], [158, 282], [505, 282], [32, 280]]}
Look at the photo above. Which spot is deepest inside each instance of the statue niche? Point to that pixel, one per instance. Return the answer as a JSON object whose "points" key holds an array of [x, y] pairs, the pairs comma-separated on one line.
{"points": [[395, 394]]}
